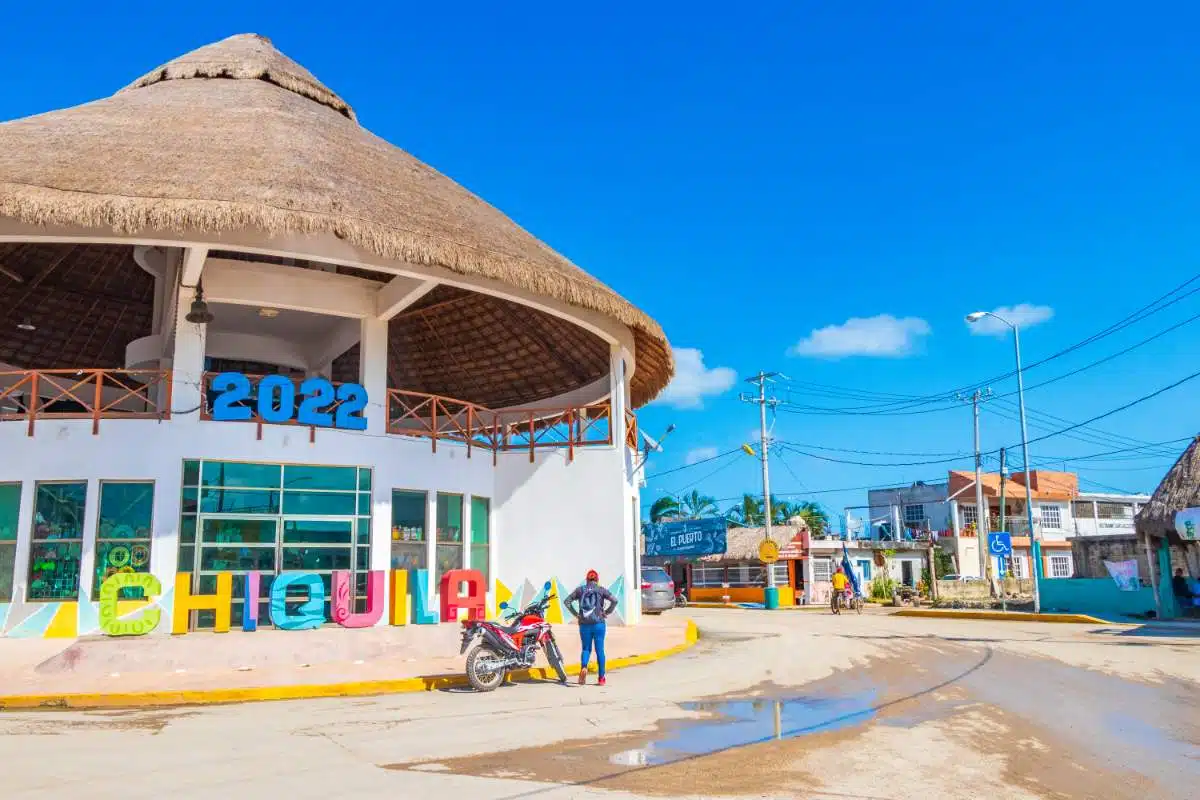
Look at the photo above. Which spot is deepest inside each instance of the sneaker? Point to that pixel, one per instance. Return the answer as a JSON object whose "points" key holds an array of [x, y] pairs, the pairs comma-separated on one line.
{"points": [[582, 677], [603, 682]]}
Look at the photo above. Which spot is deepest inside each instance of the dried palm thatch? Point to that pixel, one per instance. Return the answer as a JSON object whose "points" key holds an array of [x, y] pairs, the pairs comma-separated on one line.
{"points": [[1179, 489], [237, 136], [741, 544]]}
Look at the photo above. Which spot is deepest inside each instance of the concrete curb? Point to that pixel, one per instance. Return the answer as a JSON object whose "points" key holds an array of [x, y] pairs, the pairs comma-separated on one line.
{"points": [[196, 697], [815, 607], [1001, 616]]}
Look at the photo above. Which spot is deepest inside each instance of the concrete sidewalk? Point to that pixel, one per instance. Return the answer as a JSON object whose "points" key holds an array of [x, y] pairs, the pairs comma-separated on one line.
{"points": [[268, 664]]}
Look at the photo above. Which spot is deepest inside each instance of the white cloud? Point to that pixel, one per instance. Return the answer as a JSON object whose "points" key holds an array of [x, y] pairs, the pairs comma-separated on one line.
{"points": [[882, 335], [693, 381], [698, 454], [1024, 315]]}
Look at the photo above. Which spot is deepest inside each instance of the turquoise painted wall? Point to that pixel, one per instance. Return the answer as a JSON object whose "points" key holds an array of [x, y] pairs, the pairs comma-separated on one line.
{"points": [[1096, 596]]}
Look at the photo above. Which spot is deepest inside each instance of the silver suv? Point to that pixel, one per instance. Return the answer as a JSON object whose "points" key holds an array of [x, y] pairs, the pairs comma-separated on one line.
{"points": [[658, 590]]}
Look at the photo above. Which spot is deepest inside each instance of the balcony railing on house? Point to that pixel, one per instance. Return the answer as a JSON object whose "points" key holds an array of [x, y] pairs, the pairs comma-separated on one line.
{"points": [[94, 394]]}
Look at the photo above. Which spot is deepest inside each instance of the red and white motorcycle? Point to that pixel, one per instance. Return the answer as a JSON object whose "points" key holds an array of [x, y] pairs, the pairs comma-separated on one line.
{"points": [[512, 646]]}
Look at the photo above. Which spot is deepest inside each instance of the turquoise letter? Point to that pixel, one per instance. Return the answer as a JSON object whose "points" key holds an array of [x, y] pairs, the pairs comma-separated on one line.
{"points": [[420, 589], [310, 614]]}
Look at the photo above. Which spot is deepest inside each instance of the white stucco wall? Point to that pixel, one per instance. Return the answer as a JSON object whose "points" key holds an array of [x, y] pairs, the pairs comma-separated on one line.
{"points": [[552, 518]]}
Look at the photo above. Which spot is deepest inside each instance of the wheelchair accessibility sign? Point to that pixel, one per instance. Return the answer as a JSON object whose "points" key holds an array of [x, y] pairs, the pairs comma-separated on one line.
{"points": [[1000, 544]]}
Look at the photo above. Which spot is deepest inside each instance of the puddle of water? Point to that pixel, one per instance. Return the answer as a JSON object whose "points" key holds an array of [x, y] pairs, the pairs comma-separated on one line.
{"points": [[737, 722]]}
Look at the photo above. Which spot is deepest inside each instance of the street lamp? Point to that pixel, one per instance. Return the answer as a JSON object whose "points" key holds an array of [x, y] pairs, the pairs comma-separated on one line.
{"points": [[1035, 546]]}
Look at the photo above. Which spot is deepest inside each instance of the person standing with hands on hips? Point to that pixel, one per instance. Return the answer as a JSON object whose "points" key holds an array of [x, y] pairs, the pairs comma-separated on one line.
{"points": [[592, 605]]}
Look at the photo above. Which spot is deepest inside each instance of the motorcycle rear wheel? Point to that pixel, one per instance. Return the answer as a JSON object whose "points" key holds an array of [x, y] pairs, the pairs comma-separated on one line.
{"points": [[554, 656], [481, 678]]}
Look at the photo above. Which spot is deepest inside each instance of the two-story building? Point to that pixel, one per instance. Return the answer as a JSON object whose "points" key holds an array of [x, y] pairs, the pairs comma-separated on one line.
{"points": [[949, 513]]}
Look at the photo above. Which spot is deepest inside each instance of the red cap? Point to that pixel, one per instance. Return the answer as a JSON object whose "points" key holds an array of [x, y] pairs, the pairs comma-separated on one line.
{"points": [[592, 575]]}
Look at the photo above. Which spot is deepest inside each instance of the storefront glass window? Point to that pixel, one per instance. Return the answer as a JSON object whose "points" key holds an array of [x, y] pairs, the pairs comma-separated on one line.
{"points": [[124, 532], [339, 479], [10, 512], [449, 533], [273, 518], [480, 527], [408, 529], [57, 542], [231, 474]]}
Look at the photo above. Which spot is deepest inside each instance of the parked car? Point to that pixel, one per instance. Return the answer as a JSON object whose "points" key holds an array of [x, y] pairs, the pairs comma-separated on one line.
{"points": [[658, 590]]}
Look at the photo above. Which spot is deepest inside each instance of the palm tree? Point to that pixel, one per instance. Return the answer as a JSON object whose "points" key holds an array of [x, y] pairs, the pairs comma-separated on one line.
{"points": [[696, 505], [748, 513], [665, 507], [816, 517]]}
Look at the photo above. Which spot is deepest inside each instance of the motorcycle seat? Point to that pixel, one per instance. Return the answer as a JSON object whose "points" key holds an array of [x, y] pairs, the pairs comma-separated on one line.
{"points": [[509, 629]]}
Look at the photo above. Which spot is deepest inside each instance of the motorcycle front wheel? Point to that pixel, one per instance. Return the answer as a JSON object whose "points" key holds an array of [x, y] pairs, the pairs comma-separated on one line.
{"points": [[483, 670], [554, 656]]}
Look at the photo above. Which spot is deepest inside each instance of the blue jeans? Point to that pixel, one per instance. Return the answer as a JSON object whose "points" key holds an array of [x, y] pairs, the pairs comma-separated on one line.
{"points": [[592, 634]]}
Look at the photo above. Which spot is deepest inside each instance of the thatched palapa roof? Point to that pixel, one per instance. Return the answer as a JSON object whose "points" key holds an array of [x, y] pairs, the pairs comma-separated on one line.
{"points": [[237, 136], [741, 544], [1179, 489]]}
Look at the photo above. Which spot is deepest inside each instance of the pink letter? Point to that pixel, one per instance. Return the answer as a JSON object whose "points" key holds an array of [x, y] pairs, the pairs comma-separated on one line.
{"points": [[340, 607]]}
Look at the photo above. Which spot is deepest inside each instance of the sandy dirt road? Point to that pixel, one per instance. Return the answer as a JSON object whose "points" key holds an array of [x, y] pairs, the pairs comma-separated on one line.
{"points": [[767, 705]]}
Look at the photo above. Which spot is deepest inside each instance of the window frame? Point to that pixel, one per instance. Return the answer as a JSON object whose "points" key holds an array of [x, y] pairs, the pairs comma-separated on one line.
{"points": [[1056, 512], [5, 543], [1061, 558], [825, 564], [409, 545], [34, 541], [968, 513], [910, 520], [472, 547], [98, 540]]}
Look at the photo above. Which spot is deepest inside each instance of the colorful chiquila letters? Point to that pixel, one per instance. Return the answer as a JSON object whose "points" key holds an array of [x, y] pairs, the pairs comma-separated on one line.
{"points": [[462, 589]]}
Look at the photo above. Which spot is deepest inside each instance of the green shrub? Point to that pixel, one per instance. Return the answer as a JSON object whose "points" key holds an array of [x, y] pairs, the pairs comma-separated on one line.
{"points": [[882, 587]]}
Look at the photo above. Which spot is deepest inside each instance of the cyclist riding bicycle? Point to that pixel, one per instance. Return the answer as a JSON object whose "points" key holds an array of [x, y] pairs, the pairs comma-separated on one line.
{"points": [[840, 581]]}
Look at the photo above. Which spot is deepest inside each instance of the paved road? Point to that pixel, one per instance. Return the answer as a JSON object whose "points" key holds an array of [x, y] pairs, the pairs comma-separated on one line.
{"points": [[768, 705]]}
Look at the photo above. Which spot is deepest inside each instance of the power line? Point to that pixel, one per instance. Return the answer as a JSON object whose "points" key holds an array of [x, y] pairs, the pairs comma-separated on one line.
{"points": [[694, 463], [911, 404]]}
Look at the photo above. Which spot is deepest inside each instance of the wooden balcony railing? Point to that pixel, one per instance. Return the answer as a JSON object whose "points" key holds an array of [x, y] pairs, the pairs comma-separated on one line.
{"points": [[444, 419], [146, 394], [93, 394]]}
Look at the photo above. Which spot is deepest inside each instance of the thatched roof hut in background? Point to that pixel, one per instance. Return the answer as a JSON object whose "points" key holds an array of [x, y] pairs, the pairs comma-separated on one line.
{"points": [[1179, 489], [236, 136], [741, 544]]}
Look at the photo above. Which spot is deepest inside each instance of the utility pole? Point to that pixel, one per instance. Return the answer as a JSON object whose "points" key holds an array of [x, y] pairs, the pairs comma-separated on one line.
{"points": [[771, 597], [981, 509], [1003, 481]]}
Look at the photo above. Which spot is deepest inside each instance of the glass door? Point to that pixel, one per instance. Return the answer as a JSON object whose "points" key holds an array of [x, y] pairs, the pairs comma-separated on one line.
{"points": [[238, 545], [319, 545]]}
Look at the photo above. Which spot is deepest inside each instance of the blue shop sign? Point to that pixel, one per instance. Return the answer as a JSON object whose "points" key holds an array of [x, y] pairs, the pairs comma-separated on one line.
{"points": [[689, 537]]}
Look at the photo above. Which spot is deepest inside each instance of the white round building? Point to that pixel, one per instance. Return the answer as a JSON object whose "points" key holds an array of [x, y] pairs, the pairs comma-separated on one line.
{"points": [[245, 342]]}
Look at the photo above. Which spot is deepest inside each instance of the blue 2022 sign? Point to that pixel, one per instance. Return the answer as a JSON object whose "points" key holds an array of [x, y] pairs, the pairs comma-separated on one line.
{"points": [[276, 401]]}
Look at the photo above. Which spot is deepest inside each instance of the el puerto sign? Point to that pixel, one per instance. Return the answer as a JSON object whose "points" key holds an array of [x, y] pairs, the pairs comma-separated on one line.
{"points": [[461, 589]]}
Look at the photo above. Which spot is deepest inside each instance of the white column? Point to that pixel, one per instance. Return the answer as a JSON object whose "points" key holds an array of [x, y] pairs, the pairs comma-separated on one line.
{"points": [[87, 559], [431, 546], [24, 540], [187, 363], [954, 522], [808, 578], [616, 395], [164, 546], [466, 531], [372, 369]]}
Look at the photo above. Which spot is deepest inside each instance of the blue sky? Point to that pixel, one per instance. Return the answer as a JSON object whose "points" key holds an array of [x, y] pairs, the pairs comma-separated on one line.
{"points": [[758, 176]]}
